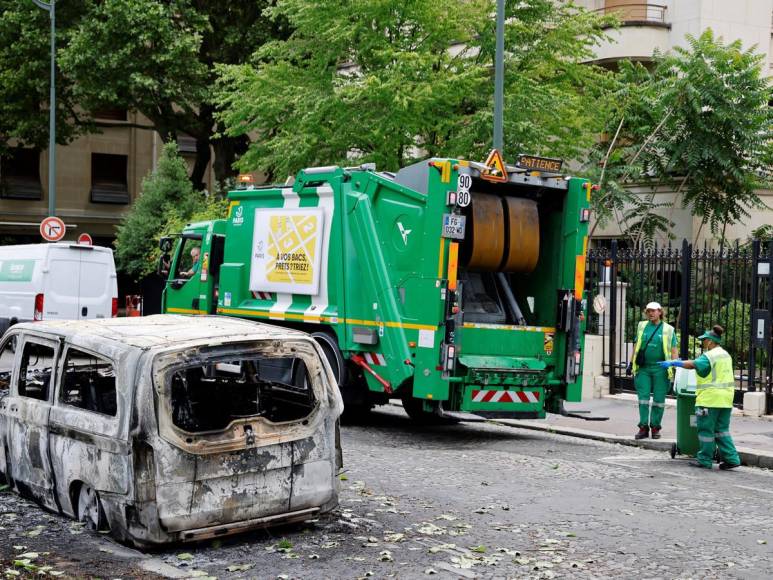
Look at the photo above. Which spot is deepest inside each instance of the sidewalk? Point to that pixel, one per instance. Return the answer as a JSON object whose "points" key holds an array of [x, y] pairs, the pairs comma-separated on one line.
{"points": [[753, 436]]}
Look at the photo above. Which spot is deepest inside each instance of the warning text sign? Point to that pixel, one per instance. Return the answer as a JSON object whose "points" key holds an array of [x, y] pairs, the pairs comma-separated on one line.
{"points": [[286, 250]]}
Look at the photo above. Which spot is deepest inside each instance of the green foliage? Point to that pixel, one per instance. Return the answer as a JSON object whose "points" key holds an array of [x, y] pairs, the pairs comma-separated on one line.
{"points": [[150, 56], [392, 82], [25, 75], [733, 315], [699, 125], [166, 193]]}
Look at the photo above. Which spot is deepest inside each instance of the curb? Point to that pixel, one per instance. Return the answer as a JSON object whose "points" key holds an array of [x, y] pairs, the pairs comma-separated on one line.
{"points": [[750, 457]]}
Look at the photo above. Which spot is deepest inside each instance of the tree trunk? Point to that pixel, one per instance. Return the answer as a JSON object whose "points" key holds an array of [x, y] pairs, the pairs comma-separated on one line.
{"points": [[227, 151], [203, 156]]}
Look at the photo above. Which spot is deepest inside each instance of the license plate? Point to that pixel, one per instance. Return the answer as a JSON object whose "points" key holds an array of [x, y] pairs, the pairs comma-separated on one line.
{"points": [[453, 226]]}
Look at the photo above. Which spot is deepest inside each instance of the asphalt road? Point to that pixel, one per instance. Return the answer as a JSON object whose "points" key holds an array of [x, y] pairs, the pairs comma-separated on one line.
{"points": [[475, 500]]}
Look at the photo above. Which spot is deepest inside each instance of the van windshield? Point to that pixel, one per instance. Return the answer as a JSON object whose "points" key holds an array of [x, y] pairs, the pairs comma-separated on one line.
{"points": [[211, 396]]}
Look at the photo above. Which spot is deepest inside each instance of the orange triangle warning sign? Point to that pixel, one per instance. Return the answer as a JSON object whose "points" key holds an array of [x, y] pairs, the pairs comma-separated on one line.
{"points": [[495, 167]]}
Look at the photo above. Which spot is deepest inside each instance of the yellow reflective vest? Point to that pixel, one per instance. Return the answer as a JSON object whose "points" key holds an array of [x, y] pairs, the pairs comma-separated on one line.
{"points": [[716, 389], [668, 337]]}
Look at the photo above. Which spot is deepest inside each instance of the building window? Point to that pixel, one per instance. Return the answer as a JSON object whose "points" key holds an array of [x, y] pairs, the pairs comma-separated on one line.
{"points": [[110, 114], [109, 178], [186, 144], [20, 174]]}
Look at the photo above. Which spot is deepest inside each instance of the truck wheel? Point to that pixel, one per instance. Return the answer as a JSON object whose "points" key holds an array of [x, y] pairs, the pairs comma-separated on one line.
{"points": [[356, 403], [673, 450], [90, 509]]}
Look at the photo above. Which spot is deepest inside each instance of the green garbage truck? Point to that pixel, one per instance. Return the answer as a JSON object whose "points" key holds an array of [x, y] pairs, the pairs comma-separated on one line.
{"points": [[454, 285]]}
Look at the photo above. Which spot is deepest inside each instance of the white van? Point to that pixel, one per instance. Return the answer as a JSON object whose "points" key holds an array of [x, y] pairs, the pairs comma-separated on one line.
{"points": [[63, 281]]}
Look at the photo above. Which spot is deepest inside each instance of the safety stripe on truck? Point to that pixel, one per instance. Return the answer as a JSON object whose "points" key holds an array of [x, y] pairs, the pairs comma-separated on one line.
{"points": [[317, 319], [509, 327], [185, 311], [491, 396], [374, 358]]}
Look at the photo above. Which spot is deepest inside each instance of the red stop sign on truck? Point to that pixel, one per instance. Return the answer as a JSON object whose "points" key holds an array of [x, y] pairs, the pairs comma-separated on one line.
{"points": [[85, 239]]}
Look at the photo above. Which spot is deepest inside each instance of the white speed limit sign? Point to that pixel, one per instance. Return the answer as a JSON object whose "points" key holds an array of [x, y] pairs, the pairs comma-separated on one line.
{"points": [[463, 183]]}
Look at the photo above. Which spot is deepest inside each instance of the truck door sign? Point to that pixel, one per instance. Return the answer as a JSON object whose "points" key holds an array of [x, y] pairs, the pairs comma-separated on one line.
{"points": [[286, 250]]}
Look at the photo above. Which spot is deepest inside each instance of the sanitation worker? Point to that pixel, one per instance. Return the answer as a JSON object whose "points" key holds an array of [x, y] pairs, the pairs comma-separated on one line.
{"points": [[195, 265], [713, 400], [655, 343]]}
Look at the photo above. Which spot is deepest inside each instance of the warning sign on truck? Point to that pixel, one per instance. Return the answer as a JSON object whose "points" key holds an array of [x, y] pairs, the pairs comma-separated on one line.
{"points": [[286, 250]]}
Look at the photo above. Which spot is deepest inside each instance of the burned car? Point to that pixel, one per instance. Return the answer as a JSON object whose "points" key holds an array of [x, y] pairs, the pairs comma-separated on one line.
{"points": [[169, 428]]}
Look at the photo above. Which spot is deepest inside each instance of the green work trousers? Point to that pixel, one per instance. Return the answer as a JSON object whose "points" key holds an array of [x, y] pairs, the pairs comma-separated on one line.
{"points": [[651, 381], [714, 431]]}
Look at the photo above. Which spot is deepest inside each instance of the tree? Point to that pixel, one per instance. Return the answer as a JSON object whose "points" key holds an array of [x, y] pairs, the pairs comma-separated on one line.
{"points": [[698, 125], [151, 56], [166, 193], [25, 76], [392, 82], [158, 58]]}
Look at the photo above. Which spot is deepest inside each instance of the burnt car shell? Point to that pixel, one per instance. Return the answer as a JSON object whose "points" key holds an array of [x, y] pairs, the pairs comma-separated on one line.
{"points": [[201, 443]]}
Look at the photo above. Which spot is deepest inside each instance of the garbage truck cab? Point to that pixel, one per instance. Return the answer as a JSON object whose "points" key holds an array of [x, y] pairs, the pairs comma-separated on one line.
{"points": [[454, 285]]}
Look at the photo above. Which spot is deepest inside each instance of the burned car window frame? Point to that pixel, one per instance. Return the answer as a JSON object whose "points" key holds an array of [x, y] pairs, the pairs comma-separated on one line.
{"points": [[260, 428], [10, 343], [27, 340], [208, 399], [62, 383]]}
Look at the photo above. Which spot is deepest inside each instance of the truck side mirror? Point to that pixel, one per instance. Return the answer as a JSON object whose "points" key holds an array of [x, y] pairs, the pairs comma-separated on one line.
{"points": [[164, 263], [165, 244]]}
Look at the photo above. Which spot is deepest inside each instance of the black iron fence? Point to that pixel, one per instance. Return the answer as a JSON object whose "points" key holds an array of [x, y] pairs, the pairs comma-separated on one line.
{"points": [[697, 287]]}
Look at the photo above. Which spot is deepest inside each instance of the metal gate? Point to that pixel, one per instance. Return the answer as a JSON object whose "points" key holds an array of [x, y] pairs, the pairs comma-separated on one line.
{"points": [[698, 288]]}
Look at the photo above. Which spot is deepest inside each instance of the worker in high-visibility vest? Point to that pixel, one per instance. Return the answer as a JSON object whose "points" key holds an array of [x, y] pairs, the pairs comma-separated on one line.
{"points": [[713, 401], [655, 342]]}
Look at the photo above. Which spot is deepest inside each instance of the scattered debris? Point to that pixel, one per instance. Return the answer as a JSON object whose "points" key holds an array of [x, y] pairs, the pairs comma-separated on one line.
{"points": [[430, 529]]}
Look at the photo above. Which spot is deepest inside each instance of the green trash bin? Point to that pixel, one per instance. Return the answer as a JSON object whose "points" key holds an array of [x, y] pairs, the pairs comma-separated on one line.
{"points": [[686, 421]]}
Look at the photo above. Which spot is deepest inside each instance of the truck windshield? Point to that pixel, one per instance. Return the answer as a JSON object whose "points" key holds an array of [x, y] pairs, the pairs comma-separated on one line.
{"points": [[210, 397]]}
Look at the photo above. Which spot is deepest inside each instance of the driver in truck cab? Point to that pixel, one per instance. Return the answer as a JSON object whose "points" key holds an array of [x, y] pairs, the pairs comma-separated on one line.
{"points": [[195, 265]]}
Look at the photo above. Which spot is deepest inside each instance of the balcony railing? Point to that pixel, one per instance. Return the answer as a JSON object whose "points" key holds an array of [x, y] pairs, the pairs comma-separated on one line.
{"points": [[643, 13]]}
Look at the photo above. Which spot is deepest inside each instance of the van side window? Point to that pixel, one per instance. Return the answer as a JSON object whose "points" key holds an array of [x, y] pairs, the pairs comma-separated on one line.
{"points": [[7, 354], [35, 370], [88, 383]]}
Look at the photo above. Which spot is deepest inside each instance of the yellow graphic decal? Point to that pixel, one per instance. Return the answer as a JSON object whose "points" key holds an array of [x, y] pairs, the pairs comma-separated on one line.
{"points": [[291, 248]]}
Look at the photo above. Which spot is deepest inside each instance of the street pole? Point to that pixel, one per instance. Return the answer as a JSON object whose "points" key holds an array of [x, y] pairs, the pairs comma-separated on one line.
{"points": [[50, 7], [499, 74]]}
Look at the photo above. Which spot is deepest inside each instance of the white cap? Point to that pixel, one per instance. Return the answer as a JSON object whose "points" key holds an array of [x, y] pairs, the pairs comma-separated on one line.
{"points": [[653, 306]]}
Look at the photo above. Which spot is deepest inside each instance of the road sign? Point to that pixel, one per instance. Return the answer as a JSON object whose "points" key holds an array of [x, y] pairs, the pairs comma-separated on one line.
{"points": [[52, 229], [85, 239], [463, 182], [495, 168]]}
